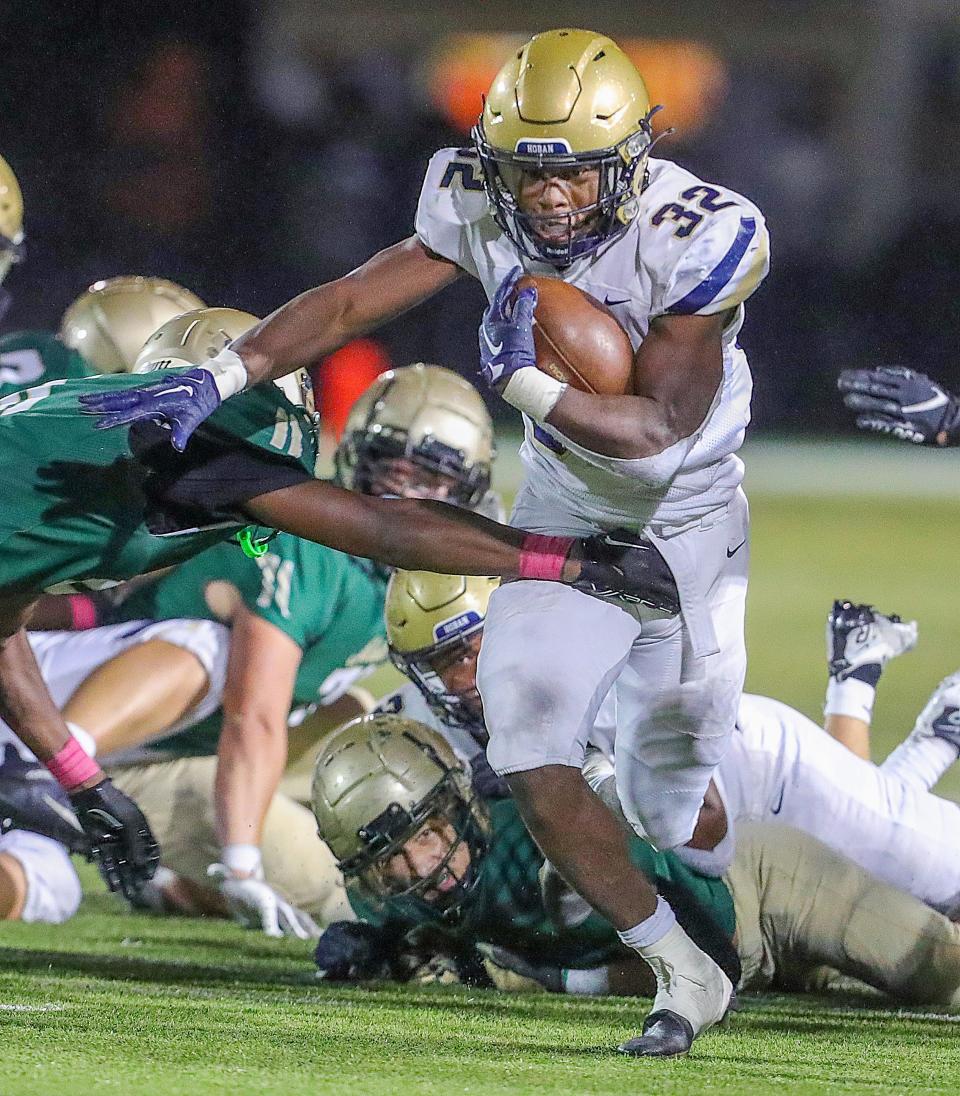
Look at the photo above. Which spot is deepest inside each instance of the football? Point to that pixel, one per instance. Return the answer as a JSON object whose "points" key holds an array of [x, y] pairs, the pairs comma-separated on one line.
{"points": [[578, 339]]}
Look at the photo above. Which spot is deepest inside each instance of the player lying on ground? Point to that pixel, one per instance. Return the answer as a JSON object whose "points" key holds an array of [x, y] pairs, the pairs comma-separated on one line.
{"points": [[89, 506], [305, 621], [780, 767], [37, 879], [675, 258], [427, 863]]}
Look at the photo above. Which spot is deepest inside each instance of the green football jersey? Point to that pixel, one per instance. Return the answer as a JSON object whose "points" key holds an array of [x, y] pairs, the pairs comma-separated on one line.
{"points": [[87, 505], [30, 357], [505, 906], [328, 603]]}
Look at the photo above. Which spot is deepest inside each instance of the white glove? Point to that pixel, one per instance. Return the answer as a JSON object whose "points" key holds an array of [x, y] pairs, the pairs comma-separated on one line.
{"points": [[256, 905]]}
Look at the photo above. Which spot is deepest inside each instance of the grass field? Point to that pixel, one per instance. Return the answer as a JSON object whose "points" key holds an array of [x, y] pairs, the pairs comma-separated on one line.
{"points": [[116, 1002]]}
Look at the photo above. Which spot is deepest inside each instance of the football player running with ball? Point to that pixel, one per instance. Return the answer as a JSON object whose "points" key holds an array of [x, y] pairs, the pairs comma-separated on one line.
{"points": [[559, 183]]}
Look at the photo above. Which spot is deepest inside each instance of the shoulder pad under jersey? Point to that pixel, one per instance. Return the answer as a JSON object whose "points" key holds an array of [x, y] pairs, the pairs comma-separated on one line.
{"points": [[707, 247], [452, 198]]}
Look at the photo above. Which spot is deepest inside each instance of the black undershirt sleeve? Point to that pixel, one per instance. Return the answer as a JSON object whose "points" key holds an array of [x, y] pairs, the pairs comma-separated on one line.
{"points": [[208, 483]]}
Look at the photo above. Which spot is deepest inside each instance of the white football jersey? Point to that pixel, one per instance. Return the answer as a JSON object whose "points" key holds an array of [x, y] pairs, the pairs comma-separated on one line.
{"points": [[692, 249]]}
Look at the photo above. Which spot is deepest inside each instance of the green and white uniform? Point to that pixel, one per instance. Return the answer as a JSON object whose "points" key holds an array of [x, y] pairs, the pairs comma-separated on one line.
{"points": [[505, 905], [32, 357], [330, 604], [88, 505]]}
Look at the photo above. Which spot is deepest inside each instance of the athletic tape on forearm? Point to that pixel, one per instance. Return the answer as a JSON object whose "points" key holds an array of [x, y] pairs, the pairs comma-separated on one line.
{"points": [[72, 766], [533, 392], [83, 612], [543, 557], [229, 373]]}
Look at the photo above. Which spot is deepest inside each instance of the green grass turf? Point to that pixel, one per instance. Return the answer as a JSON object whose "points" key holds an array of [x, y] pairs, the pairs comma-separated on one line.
{"points": [[116, 1002]]}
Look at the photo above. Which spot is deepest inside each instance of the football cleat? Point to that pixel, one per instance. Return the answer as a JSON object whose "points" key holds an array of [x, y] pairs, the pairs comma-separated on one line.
{"points": [[693, 995], [858, 636], [940, 717], [30, 799]]}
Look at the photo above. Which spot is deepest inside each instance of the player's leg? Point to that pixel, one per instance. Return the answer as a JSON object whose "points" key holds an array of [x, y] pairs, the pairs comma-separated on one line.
{"points": [[548, 659], [860, 642], [801, 905], [676, 710], [37, 880], [178, 667], [900, 833], [177, 798], [934, 743]]}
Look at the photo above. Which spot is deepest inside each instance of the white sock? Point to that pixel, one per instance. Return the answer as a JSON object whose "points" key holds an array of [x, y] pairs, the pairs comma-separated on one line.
{"points": [[592, 983], [87, 742], [851, 697], [652, 930]]}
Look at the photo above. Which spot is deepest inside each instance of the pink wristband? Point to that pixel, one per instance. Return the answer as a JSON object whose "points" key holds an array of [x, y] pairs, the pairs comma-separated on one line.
{"points": [[72, 766], [543, 557], [83, 612]]}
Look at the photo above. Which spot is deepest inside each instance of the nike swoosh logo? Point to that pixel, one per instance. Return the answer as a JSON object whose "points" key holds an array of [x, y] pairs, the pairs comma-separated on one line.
{"points": [[606, 300], [731, 552], [65, 813], [493, 347], [779, 806], [180, 388], [928, 405]]}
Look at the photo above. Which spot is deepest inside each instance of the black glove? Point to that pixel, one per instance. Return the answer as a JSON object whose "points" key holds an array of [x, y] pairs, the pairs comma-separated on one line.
{"points": [[903, 404], [353, 951], [486, 783], [120, 839], [625, 565]]}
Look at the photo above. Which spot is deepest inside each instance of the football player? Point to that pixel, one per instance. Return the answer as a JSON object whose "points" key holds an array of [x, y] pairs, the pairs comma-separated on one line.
{"points": [[11, 229], [419, 850], [102, 331], [81, 505], [903, 404], [780, 768], [559, 181], [420, 432]]}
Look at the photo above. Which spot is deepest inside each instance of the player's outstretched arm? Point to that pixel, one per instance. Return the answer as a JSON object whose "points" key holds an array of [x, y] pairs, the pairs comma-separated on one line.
{"points": [[905, 405], [421, 535], [677, 371], [296, 335], [251, 755], [120, 838]]}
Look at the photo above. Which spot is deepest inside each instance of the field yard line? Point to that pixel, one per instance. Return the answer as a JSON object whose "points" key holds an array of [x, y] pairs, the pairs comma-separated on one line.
{"points": [[31, 1008]]}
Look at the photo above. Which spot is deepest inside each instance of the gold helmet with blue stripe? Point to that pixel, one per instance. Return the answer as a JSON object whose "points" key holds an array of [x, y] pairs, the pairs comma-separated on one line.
{"points": [[567, 101]]}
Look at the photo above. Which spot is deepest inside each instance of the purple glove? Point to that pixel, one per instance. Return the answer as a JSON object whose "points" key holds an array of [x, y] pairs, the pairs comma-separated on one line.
{"points": [[506, 332], [902, 403], [182, 400]]}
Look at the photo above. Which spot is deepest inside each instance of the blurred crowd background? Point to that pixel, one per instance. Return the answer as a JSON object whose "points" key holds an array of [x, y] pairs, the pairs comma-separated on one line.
{"points": [[252, 148]]}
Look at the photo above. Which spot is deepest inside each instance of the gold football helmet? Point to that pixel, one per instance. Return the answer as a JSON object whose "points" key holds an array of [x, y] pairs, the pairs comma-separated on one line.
{"points": [[429, 619], [568, 100], [377, 781], [428, 415], [11, 219], [109, 322], [193, 338]]}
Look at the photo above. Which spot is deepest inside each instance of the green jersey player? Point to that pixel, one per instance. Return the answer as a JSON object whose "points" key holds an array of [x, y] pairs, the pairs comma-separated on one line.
{"points": [[102, 331], [83, 505]]}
